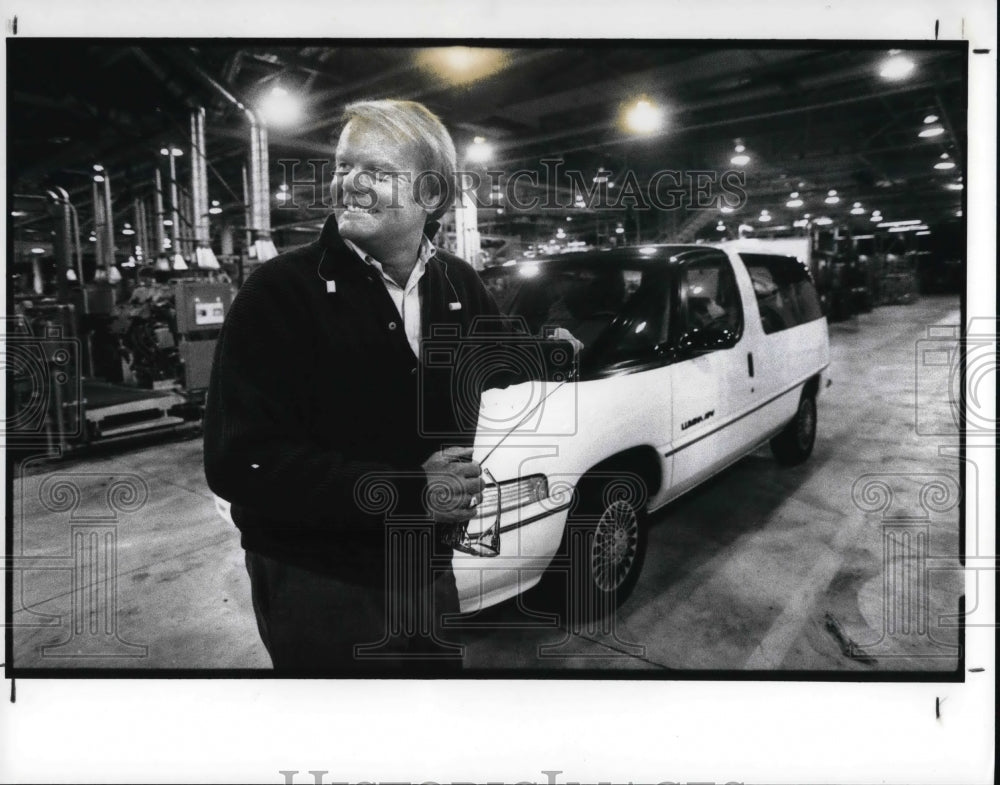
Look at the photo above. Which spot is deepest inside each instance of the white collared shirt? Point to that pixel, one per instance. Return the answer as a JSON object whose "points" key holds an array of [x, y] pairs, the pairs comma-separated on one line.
{"points": [[406, 298]]}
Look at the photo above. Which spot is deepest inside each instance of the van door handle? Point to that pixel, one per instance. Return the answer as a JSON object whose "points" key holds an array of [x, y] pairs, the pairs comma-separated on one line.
{"points": [[750, 363]]}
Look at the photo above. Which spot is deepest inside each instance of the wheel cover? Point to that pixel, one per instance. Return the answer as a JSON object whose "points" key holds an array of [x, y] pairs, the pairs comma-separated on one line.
{"points": [[615, 546], [806, 425]]}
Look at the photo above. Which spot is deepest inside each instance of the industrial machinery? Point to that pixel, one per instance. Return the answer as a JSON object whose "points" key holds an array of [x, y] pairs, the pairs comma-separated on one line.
{"points": [[92, 355]]}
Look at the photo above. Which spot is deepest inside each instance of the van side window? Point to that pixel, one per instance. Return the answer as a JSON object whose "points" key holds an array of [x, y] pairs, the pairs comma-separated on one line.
{"points": [[710, 297], [785, 293]]}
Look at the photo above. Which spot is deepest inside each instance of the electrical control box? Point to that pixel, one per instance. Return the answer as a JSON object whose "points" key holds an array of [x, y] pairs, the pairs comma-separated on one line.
{"points": [[201, 305]]}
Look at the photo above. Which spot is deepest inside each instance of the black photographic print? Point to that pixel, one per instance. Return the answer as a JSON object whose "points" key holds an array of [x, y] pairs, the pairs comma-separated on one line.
{"points": [[460, 382]]}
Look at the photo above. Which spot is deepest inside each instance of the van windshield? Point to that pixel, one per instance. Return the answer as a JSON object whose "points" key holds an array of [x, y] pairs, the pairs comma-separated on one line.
{"points": [[619, 313]]}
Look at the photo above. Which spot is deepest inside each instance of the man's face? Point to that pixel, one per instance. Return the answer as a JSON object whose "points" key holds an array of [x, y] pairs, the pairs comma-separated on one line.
{"points": [[373, 190]]}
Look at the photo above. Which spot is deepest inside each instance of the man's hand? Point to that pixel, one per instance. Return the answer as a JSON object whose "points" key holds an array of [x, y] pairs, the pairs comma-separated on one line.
{"points": [[454, 485], [562, 334]]}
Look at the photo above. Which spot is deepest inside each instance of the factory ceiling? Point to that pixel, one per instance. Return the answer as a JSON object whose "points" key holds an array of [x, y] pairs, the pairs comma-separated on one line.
{"points": [[812, 118]]}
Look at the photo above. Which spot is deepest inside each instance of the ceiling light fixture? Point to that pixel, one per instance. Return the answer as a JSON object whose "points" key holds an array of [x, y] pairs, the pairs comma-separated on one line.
{"points": [[933, 131], [280, 108], [945, 162], [644, 117], [479, 151], [741, 158], [831, 197], [896, 67]]}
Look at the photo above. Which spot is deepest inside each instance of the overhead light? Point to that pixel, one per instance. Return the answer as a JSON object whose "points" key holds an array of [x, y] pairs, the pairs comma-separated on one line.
{"points": [[945, 162], [885, 224], [648, 250], [281, 196], [764, 216], [923, 232], [746, 228], [741, 158], [528, 270], [98, 168], [560, 233], [463, 64], [794, 201], [128, 230], [823, 221], [831, 197], [280, 108], [720, 227], [176, 152], [283, 187], [954, 186], [164, 151], [958, 213], [726, 209], [931, 118], [37, 250], [875, 218], [934, 130], [896, 67], [93, 239], [569, 217], [620, 230], [801, 223], [644, 117], [18, 213], [499, 211], [98, 178], [857, 209], [215, 209], [479, 151], [167, 222]]}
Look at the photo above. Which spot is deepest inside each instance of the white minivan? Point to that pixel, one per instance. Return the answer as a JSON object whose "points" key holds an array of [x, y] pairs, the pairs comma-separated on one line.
{"points": [[689, 357]]}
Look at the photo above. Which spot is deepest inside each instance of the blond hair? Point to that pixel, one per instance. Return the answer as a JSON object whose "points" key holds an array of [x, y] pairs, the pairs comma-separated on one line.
{"points": [[413, 123]]}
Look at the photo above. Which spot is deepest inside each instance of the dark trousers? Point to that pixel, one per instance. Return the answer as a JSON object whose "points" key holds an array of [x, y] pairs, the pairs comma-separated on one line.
{"points": [[324, 625]]}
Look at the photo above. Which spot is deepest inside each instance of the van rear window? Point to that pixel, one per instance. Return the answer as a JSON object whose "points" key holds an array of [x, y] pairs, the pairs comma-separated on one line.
{"points": [[785, 293]]}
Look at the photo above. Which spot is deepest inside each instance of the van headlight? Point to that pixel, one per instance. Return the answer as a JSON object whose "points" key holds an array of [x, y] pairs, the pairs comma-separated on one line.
{"points": [[511, 494]]}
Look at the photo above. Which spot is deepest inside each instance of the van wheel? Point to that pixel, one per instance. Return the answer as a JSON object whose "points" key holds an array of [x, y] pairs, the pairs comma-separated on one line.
{"points": [[606, 539], [795, 443]]}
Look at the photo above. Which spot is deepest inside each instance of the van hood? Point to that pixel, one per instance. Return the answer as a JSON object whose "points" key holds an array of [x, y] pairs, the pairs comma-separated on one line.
{"points": [[526, 414]]}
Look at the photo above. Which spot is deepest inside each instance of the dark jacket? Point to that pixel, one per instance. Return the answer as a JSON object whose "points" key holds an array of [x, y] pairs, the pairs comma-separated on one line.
{"points": [[319, 415]]}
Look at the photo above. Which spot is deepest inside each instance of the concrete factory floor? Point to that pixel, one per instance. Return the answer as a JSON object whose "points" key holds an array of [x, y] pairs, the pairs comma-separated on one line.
{"points": [[762, 568]]}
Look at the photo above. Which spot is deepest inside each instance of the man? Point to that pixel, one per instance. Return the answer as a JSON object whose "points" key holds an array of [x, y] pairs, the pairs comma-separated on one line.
{"points": [[316, 423]]}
